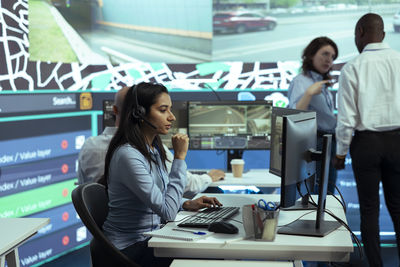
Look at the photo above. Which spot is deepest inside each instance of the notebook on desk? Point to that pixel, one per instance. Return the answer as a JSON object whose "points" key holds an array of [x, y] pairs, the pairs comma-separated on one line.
{"points": [[168, 232]]}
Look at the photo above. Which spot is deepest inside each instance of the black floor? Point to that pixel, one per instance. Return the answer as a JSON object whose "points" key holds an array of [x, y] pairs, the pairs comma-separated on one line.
{"points": [[81, 258]]}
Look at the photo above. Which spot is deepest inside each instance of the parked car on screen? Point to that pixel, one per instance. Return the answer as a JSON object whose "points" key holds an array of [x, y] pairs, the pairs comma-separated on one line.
{"points": [[396, 21], [241, 21]]}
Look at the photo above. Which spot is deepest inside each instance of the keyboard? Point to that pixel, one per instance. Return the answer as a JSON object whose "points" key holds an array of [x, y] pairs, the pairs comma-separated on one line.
{"points": [[205, 217]]}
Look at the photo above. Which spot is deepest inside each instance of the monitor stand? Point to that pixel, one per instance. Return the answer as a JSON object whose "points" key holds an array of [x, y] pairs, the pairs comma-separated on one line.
{"points": [[233, 154], [308, 228], [318, 227]]}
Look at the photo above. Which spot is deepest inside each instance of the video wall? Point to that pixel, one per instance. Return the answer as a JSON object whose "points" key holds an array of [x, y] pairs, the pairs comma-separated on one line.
{"points": [[49, 106], [40, 138]]}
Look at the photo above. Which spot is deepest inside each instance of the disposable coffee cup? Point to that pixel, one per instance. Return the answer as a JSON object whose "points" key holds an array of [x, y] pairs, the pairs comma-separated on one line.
{"points": [[237, 167]]}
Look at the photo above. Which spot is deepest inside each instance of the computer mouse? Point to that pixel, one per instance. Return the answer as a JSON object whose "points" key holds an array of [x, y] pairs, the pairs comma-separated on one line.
{"points": [[223, 227]]}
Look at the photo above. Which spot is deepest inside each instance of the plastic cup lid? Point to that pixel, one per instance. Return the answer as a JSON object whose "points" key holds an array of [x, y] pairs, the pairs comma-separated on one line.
{"points": [[237, 161]]}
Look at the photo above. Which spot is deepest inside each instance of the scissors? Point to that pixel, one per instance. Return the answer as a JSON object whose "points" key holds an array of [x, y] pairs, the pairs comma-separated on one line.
{"points": [[262, 204]]}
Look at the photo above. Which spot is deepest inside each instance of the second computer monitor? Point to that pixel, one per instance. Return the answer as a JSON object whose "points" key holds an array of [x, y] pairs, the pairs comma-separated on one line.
{"points": [[229, 124], [276, 137], [294, 132]]}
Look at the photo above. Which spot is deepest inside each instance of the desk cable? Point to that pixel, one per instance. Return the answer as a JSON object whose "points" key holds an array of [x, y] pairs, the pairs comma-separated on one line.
{"points": [[341, 200], [296, 218], [354, 237], [343, 223]]}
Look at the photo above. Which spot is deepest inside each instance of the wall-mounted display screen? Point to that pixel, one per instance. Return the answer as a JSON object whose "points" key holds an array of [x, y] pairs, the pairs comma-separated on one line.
{"points": [[96, 32]]}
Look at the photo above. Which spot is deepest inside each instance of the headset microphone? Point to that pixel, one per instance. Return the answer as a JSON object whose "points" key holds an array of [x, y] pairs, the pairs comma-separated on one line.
{"points": [[139, 112], [149, 123]]}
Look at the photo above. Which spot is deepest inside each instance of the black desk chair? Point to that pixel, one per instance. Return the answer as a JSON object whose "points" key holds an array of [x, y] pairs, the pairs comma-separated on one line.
{"points": [[91, 203]]}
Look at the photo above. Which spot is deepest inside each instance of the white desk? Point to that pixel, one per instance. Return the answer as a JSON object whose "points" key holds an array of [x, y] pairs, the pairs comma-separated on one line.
{"points": [[13, 233], [256, 177], [336, 246], [229, 263]]}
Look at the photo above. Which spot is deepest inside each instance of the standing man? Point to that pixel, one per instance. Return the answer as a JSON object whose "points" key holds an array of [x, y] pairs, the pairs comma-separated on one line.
{"points": [[369, 107]]}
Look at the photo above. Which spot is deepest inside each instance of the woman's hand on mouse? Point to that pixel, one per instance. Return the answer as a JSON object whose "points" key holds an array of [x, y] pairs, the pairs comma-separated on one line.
{"points": [[200, 203], [180, 143]]}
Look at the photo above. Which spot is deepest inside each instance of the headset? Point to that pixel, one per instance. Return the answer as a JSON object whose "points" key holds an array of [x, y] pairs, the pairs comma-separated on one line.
{"points": [[139, 112]]}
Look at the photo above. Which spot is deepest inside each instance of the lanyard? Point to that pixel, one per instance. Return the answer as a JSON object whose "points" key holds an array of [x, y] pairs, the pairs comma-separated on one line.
{"points": [[328, 97], [326, 93]]}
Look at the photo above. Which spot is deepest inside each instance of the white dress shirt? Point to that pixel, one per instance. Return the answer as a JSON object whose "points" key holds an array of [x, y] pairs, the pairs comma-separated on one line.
{"points": [[195, 183], [92, 156], [369, 94]]}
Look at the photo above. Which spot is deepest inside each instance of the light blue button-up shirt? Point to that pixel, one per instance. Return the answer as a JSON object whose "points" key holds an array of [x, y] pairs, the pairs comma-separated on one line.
{"points": [[141, 195], [321, 103]]}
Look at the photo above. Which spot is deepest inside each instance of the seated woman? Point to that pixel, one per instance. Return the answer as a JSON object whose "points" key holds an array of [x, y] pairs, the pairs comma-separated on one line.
{"points": [[142, 194]]}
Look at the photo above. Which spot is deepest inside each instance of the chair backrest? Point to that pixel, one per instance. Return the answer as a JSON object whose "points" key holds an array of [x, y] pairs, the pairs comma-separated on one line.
{"points": [[91, 203]]}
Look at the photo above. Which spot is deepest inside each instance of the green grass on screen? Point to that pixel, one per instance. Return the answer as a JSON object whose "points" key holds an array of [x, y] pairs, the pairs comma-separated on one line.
{"points": [[46, 40]]}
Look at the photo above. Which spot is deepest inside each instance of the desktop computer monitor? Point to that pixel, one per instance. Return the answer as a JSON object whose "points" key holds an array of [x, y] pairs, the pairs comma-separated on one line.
{"points": [[297, 147], [290, 180], [299, 134], [289, 191], [276, 137], [230, 125]]}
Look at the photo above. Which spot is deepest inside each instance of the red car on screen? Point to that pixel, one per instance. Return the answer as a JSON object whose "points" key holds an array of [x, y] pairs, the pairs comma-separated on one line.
{"points": [[241, 22]]}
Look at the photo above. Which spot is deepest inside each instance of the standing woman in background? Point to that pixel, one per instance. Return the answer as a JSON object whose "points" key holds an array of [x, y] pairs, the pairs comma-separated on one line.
{"points": [[141, 193], [309, 91]]}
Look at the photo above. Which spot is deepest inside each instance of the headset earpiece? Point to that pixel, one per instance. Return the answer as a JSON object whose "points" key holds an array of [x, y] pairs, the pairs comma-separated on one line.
{"points": [[139, 112]]}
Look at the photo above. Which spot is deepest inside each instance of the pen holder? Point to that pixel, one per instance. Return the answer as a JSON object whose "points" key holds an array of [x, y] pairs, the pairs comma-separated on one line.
{"points": [[259, 224]]}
